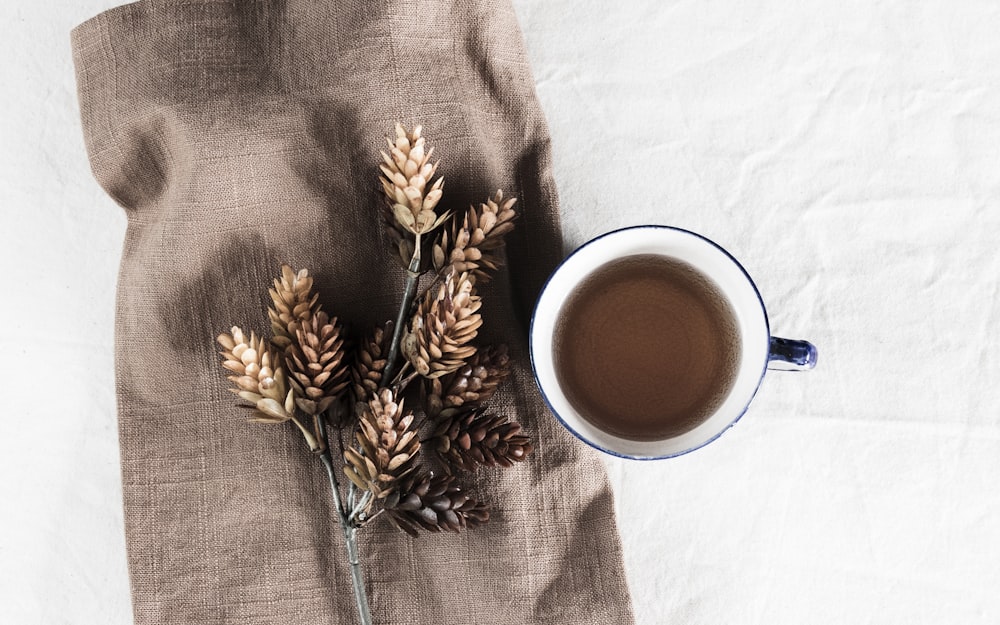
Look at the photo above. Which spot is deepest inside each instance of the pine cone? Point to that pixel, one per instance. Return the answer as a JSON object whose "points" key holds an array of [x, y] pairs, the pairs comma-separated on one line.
{"points": [[477, 438], [406, 172], [470, 386], [437, 342], [434, 503], [369, 363], [259, 378], [475, 245], [315, 361], [294, 303], [387, 447]]}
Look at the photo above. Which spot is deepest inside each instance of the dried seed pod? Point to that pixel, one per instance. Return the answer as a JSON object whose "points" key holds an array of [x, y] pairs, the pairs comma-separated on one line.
{"points": [[387, 447], [294, 303], [258, 376], [475, 244], [470, 386], [370, 361], [433, 503], [406, 173], [466, 440], [315, 360], [437, 341]]}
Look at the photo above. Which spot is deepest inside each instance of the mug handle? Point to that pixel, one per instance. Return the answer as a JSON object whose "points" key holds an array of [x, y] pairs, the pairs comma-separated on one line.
{"points": [[791, 355]]}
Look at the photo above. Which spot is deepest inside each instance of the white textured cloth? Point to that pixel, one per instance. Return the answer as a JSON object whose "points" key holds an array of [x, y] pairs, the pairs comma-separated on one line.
{"points": [[847, 153]]}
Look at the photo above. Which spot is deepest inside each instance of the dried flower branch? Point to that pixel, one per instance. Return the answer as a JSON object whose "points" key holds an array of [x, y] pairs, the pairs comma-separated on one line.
{"points": [[307, 368]]}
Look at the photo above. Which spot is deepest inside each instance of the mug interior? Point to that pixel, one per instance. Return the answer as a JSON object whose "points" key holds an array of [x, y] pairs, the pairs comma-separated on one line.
{"points": [[705, 256]]}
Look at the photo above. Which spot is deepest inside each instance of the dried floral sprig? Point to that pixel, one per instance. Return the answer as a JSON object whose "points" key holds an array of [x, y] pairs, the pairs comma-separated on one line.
{"points": [[307, 369]]}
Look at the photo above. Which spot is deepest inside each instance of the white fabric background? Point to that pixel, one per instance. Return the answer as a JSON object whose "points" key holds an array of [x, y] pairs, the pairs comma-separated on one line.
{"points": [[847, 152]]}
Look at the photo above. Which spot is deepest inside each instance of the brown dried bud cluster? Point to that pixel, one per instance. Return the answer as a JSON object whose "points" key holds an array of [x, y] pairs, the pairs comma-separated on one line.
{"points": [[479, 438], [434, 503], [370, 362], [470, 386], [387, 447], [258, 377], [476, 244], [315, 361], [437, 341], [294, 302]]}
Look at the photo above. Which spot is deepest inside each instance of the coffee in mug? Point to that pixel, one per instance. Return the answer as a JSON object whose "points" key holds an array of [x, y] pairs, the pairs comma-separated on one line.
{"points": [[646, 347]]}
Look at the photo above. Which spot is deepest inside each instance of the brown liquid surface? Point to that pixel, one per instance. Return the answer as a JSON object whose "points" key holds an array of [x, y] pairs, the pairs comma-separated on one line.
{"points": [[646, 347]]}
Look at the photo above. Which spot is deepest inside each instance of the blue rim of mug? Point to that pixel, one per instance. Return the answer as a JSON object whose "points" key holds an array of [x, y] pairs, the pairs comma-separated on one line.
{"points": [[531, 345]]}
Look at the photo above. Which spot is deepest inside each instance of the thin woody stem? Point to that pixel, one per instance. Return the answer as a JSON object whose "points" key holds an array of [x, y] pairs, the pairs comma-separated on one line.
{"points": [[438, 277], [350, 540], [368, 520], [402, 384], [412, 277]]}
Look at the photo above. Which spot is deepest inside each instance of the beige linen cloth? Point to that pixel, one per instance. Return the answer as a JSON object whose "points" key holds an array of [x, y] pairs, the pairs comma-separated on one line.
{"points": [[241, 135]]}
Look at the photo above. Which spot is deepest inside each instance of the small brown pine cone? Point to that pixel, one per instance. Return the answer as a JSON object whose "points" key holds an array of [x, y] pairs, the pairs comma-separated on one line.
{"points": [[437, 341], [315, 361], [370, 361], [467, 440], [470, 386], [434, 503], [475, 243], [386, 447], [259, 378], [294, 303]]}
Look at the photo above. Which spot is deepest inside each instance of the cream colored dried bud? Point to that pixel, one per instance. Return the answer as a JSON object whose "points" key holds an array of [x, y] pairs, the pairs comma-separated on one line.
{"points": [[406, 173], [476, 243], [294, 303], [258, 377]]}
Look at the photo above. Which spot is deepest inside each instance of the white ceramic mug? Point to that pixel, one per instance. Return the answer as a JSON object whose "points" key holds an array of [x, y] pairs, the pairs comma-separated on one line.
{"points": [[759, 350]]}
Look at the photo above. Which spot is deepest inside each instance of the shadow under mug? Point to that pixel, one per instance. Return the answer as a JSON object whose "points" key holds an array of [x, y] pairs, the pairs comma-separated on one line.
{"points": [[759, 350]]}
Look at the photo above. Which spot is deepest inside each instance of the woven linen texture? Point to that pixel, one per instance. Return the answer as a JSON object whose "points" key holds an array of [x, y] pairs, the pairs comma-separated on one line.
{"points": [[241, 135]]}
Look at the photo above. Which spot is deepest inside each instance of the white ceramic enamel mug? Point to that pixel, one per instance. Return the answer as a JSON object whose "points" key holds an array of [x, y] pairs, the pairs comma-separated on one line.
{"points": [[759, 350]]}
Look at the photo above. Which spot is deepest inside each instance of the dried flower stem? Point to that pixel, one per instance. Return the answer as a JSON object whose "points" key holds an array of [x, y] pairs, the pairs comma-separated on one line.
{"points": [[350, 539], [410, 292]]}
